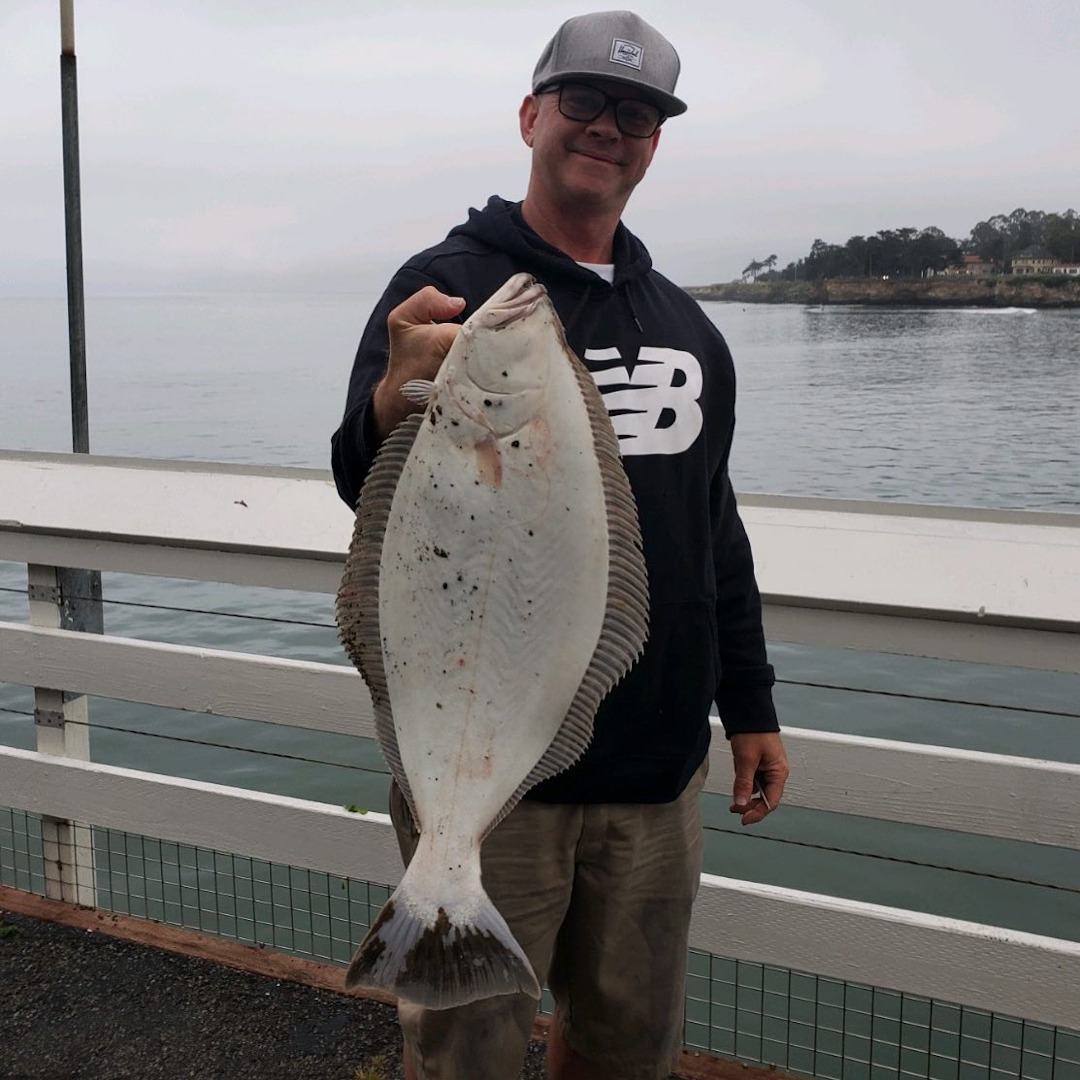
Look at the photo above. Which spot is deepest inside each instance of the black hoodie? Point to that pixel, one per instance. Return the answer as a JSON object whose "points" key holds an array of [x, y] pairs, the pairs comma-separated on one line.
{"points": [[669, 385]]}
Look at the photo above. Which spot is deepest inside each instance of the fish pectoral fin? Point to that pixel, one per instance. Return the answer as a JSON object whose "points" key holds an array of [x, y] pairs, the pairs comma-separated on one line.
{"points": [[455, 960], [418, 391]]}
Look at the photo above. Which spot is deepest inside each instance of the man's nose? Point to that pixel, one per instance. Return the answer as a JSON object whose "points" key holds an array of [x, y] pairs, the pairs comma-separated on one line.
{"points": [[606, 122]]}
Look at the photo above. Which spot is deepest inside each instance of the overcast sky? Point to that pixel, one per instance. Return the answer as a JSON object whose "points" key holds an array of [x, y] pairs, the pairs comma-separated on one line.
{"points": [[276, 144]]}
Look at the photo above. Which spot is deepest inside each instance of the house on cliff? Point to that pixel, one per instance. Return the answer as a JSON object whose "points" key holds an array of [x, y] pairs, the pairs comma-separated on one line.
{"points": [[972, 266], [1033, 260]]}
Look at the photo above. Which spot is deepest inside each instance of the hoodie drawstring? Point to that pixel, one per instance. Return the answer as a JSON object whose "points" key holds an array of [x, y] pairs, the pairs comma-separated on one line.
{"points": [[625, 290]]}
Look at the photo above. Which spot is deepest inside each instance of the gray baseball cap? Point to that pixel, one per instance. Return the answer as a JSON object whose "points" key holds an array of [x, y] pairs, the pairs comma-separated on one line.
{"points": [[614, 45]]}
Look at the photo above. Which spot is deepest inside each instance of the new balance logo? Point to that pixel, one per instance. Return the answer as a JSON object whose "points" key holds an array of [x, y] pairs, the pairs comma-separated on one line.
{"points": [[656, 409]]}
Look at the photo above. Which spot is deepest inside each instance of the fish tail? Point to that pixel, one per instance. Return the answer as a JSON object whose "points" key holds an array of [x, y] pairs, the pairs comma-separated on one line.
{"points": [[441, 957]]}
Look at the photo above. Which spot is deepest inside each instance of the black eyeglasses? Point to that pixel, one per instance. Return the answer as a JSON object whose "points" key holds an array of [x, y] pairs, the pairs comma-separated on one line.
{"points": [[633, 117]]}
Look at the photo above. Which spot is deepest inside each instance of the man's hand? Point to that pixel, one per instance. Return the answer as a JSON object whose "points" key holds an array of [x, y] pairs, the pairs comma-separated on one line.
{"points": [[419, 340], [760, 766]]}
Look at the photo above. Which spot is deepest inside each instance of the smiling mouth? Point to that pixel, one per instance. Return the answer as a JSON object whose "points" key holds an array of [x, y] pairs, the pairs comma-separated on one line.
{"points": [[598, 157]]}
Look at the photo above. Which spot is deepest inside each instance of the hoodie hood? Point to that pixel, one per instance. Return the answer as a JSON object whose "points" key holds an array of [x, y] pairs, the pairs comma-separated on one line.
{"points": [[502, 226]]}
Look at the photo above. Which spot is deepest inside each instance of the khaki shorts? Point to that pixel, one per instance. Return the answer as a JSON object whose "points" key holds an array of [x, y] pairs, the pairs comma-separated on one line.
{"points": [[599, 897]]}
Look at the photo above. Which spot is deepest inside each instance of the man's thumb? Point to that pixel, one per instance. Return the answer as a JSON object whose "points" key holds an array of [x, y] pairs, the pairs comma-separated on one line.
{"points": [[744, 785], [426, 306]]}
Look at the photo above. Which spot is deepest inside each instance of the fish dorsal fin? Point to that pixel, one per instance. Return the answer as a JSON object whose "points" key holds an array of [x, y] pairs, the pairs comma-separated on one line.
{"points": [[358, 595], [418, 391], [626, 616]]}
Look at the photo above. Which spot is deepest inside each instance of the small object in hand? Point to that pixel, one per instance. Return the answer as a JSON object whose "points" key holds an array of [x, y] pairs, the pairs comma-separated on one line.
{"points": [[759, 793]]}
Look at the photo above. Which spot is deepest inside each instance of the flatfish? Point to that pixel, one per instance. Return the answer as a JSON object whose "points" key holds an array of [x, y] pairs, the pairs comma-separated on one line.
{"points": [[494, 592]]}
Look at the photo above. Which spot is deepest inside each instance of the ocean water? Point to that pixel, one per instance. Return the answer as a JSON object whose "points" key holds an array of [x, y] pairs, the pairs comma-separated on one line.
{"points": [[954, 407]]}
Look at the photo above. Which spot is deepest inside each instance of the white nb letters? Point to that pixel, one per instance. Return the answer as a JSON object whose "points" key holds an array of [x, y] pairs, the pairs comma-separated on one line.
{"points": [[663, 387]]}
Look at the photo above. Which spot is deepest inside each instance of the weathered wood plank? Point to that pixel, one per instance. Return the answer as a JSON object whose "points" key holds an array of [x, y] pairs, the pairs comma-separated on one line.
{"points": [[298, 832], [1003, 971], [967, 791], [168, 560], [323, 697]]}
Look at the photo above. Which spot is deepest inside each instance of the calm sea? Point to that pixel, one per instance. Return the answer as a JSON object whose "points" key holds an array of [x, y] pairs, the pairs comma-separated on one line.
{"points": [[956, 407]]}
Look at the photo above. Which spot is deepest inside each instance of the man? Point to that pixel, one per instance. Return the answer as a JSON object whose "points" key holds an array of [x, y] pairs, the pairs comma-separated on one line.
{"points": [[596, 870]]}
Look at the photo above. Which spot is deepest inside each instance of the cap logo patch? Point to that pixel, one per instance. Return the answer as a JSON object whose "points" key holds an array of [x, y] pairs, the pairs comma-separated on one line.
{"points": [[628, 53]]}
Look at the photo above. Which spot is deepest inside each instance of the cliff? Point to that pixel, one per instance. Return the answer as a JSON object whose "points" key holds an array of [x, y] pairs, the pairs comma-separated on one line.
{"points": [[1011, 291]]}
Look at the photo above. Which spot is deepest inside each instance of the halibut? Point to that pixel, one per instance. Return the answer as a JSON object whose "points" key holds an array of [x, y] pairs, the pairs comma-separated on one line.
{"points": [[494, 592]]}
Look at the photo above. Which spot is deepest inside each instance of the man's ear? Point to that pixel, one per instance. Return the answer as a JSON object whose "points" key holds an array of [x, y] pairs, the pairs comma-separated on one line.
{"points": [[530, 109]]}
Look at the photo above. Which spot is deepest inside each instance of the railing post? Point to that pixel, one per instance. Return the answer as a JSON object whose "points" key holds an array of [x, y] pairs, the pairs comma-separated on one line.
{"points": [[62, 723]]}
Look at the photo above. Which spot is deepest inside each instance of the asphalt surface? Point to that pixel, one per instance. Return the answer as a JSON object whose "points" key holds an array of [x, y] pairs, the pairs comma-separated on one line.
{"points": [[76, 1005]]}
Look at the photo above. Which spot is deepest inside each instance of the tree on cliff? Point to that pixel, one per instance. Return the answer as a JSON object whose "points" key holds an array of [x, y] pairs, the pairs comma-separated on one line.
{"points": [[1061, 235], [909, 252], [752, 270], [1000, 237]]}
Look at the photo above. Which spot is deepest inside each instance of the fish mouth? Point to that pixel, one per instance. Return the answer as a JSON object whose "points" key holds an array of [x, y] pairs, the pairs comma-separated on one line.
{"points": [[517, 299]]}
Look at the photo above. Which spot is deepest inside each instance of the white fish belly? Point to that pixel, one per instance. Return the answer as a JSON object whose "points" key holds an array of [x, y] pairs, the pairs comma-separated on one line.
{"points": [[493, 587]]}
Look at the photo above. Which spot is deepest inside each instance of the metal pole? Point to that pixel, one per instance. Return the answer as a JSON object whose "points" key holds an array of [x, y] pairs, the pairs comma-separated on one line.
{"points": [[80, 589], [80, 425]]}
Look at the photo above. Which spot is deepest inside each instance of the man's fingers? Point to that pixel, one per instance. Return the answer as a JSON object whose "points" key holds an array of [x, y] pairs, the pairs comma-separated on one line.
{"points": [[423, 307], [773, 792]]}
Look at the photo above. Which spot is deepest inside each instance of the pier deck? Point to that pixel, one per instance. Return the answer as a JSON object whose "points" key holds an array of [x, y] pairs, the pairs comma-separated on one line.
{"points": [[81, 1005]]}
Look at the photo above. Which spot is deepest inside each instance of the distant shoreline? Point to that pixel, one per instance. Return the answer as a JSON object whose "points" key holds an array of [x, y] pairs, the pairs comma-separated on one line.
{"points": [[990, 291]]}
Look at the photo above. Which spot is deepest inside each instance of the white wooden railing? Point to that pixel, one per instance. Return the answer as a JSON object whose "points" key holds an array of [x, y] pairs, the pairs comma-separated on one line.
{"points": [[979, 586]]}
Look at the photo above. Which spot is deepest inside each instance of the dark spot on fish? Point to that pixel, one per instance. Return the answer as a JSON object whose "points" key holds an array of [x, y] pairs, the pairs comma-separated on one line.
{"points": [[454, 423], [438, 409], [439, 551], [516, 443], [530, 532], [446, 585], [504, 374], [438, 704], [385, 916], [431, 417], [487, 402]]}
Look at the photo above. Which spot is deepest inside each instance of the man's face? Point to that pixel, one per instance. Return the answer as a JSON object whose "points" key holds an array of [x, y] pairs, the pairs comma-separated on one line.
{"points": [[590, 163]]}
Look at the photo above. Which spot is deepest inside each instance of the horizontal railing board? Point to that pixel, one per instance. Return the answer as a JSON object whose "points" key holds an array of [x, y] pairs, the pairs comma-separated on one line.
{"points": [[299, 693], [967, 791], [987, 967], [1007, 972], [192, 502], [168, 561], [964, 790], [974, 563], [277, 828], [975, 642], [1004, 565]]}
